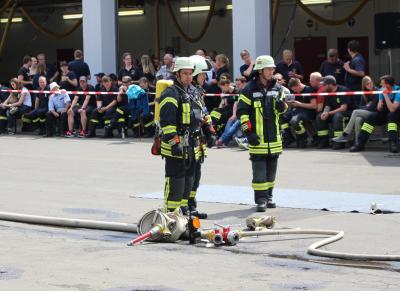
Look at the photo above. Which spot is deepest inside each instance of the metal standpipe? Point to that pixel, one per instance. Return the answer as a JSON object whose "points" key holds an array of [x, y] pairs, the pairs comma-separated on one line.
{"points": [[68, 222]]}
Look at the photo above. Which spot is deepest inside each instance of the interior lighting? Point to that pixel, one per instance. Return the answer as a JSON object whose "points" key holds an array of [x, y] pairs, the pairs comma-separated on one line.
{"points": [[315, 2], [131, 12], [194, 8], [15, 19], [120, 13], [72, 16]]}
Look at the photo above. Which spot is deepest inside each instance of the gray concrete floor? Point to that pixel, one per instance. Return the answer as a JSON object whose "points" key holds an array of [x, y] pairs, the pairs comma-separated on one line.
{"points": [[95, 179]]}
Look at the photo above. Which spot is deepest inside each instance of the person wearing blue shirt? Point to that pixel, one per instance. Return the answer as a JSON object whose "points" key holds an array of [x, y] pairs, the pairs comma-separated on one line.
{"points": [[387, 112], [59, 102], [289, 68], [333, 66], [78, 66], [355, 70]]}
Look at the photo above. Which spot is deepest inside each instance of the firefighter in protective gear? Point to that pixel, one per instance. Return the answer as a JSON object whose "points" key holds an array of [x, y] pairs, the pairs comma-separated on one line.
{"points": [[336, 110], [260, 104], [180, 142], [201, 67]]}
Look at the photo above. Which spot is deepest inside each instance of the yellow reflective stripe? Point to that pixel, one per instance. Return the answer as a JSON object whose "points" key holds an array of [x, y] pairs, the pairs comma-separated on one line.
{"points": [[278, 134], [136, 125], [166, 189], [120, 111], [337, 133], [197, 153], [208, 119], [166, 153], [263, 186], [204, 148], [94, 120], [107, 121], [36, 120], [192, 194], [276, 151], [217, 115], [244, 99], [169, 100], [166, 145], [166, 150], [121, 119], [149, 124], [184, 202], [392, 126], [285, 125], [275, 144], [323, 132], [173, 204], [26, 120], [259, 120], [244, 118], [169, 129], [302, 129], [43, 120], [3, 117], [185, 113], [367, 127]]}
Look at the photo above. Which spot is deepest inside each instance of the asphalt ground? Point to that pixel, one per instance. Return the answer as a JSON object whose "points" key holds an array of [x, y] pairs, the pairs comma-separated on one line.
{"points": [[101, 180]]}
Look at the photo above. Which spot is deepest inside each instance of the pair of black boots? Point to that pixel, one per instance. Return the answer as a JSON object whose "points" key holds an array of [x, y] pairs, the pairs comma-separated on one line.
{"points": [[262, 206], [363, 139], [301, 140]]}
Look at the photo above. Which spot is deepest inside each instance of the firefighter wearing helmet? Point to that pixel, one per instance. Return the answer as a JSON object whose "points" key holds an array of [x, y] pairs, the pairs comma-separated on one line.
{"points": [[180, 119], [207, 132], [259, 106]]}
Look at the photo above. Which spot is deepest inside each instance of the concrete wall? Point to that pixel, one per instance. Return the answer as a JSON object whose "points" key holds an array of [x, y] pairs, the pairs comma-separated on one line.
{"points": [[137, 33]]}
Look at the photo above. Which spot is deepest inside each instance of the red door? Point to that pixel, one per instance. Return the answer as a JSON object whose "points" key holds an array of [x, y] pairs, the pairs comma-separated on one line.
{"points": [[364, 49], [310, 52]]}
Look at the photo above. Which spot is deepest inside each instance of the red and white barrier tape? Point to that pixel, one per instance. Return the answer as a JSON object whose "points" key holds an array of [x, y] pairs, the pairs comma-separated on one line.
{"points": [[350, 93], [68, 92]]}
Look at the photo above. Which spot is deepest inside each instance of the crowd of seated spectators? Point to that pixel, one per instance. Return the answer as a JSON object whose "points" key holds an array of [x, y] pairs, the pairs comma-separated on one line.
{"points": [[311, 121]]}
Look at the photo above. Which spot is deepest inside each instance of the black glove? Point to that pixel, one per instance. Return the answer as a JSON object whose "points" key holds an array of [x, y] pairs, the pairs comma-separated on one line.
{"points": [[177, 150], [253, 139]]}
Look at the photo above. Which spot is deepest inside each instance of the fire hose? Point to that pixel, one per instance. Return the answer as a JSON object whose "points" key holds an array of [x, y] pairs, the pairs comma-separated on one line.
{"points": [[68, 222], [159, 226]]}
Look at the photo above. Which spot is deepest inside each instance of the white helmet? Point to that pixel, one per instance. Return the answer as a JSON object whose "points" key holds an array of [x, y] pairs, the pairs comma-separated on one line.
{"points": [[201, 64], [182, 63], [264, 61]]}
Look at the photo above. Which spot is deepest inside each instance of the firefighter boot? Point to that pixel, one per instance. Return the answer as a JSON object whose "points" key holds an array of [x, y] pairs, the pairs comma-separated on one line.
{"points": [[108, 131], [91, 130], [362, 140], [288, 138], [270, 204], [393, 141], [301, 141], [323, 142]]}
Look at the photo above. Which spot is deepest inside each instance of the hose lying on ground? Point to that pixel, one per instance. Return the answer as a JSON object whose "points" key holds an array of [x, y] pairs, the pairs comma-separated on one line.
{"points": [[314, 248], [126, 227], [68, 222]]}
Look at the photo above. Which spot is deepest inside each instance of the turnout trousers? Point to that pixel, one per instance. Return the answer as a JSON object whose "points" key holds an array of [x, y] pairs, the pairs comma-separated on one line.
{"points": [[179, 179], [264, 173]]}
